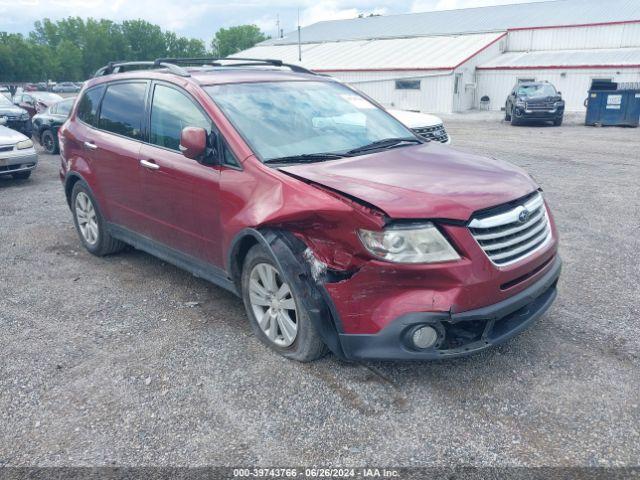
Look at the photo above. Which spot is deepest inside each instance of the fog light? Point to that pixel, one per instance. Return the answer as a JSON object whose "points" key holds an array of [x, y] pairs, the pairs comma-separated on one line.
{"points": [[424, 337]]}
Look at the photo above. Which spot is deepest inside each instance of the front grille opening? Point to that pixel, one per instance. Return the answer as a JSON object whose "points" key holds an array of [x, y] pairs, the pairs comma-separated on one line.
{"points": [[436, 133], [526, 276], [507, 235]]}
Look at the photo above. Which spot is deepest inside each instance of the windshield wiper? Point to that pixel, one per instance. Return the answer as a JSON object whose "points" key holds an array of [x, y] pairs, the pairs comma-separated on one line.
{"points": [[305, 158], [385, 143]]}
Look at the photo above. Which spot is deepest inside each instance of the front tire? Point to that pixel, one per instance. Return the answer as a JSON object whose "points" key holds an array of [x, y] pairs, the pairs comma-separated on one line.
{"points": [[90, 223], [557, 122], [277, 318], [507, 113]]}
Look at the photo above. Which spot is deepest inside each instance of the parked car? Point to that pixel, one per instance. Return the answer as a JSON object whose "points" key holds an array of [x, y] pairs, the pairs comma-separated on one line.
{"points": [[35, 102], [426, 125], [17, 155], [30, 87], [42, 86], [534, 101], [15, 117], [4, 92], [65, 87], [47, 123], [360, 238]]}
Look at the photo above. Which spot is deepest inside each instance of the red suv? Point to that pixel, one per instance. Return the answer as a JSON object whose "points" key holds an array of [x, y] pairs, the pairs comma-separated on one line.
{"points": [[340, 229]]}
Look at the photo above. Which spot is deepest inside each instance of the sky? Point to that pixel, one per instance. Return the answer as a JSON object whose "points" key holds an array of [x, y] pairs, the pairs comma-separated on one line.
{"points": [[202, 18]]}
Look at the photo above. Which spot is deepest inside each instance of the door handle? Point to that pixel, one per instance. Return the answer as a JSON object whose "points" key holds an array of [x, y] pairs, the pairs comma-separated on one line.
{"points": [[91, 145], [149, 164]]}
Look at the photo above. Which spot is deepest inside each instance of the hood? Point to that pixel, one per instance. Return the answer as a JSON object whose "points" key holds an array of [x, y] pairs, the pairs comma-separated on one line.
{"points": [[415, 119], [422, 181], [9, 136], [13, 111]]}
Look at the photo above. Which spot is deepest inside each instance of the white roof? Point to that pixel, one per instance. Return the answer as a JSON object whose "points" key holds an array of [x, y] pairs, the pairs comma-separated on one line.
{"points": [[614, 57], [420, 53], [469, 20]]}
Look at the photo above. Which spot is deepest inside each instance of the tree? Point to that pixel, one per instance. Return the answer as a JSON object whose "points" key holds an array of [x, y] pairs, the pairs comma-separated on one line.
{"points": [[232, 40], [146, 40], [70, 65], [183, 47], [74, 48]]}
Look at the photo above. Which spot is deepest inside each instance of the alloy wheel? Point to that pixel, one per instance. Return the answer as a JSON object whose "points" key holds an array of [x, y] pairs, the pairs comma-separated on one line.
{"points": [[87, 218], [273, 305], [48, 143]]}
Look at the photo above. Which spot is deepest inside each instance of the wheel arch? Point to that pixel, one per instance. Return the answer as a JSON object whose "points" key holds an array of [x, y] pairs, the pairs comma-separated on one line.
{"points": [[288, 252], [69, 182]]}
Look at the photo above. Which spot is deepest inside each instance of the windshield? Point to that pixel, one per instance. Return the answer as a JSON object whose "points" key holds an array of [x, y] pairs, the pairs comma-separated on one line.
{"points": [[5, 102], [541, 90], [285, 119], [46, 97]]}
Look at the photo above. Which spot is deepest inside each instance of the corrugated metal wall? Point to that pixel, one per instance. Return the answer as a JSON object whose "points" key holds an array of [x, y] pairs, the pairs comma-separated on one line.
{"points": [[467, 96], [571, 38], [434, 95], [574, 84]]}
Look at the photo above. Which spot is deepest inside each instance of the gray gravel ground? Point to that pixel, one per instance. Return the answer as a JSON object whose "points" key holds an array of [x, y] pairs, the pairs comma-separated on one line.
{"points": [[105, 361]]}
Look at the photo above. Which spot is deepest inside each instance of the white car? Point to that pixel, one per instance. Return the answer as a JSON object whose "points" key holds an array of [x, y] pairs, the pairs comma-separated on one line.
{"points": [[4, 91], [424, 124], [17, 155]]}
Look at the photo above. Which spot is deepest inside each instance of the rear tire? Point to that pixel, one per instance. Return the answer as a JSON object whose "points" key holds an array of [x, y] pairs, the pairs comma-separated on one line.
{"points": [[90, 223], [21, 175], [49, 142], [284, 325]]}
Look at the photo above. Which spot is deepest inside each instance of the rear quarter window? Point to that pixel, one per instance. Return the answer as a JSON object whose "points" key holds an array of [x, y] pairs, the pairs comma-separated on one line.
{"points": [[88, 105]]}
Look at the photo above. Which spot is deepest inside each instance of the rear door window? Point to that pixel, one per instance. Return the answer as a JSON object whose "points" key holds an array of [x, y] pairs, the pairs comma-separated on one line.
{"points": [[171, 111], [88, 106], [122, 109]]}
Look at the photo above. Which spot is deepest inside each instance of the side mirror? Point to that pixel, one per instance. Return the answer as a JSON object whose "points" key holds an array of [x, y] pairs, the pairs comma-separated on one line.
{"points": [[559, 94], [193, 142]]}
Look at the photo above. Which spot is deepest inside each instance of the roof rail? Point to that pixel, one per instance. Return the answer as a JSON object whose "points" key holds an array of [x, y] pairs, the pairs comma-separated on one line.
{"points": [[245, 62], [173, 64], [121, 66]]}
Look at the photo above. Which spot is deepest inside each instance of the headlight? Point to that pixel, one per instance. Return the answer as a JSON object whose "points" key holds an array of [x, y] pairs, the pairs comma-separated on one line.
{"points": [[559, 103], [418, 244], [24, 116], [520, 103], [24, 144]]}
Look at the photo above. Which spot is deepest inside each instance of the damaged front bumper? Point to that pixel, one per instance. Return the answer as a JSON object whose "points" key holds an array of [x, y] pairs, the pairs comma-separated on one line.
{"points": [[461, 333]]}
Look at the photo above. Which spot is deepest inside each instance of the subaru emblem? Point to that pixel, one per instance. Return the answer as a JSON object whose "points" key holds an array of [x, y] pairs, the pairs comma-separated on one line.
{"points": [[524, 216]]}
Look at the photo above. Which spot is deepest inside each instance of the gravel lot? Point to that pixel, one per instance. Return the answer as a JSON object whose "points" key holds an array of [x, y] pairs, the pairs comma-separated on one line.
{"points": [[108, 361]]}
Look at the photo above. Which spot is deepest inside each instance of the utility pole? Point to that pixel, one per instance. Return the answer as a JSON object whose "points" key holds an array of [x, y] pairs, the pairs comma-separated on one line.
{"points": [[278, 26], [299, 41]]}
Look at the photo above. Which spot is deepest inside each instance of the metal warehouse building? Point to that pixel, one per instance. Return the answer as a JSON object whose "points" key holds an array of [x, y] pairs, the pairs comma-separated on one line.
{"points": [[447, 61]]}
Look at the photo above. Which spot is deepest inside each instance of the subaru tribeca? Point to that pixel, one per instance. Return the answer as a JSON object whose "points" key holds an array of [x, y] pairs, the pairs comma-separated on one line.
{"points": [[338, 227]]}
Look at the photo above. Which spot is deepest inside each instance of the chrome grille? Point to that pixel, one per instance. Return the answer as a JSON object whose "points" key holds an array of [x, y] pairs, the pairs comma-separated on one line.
{"points": [[437, 133], [512, 235]]}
